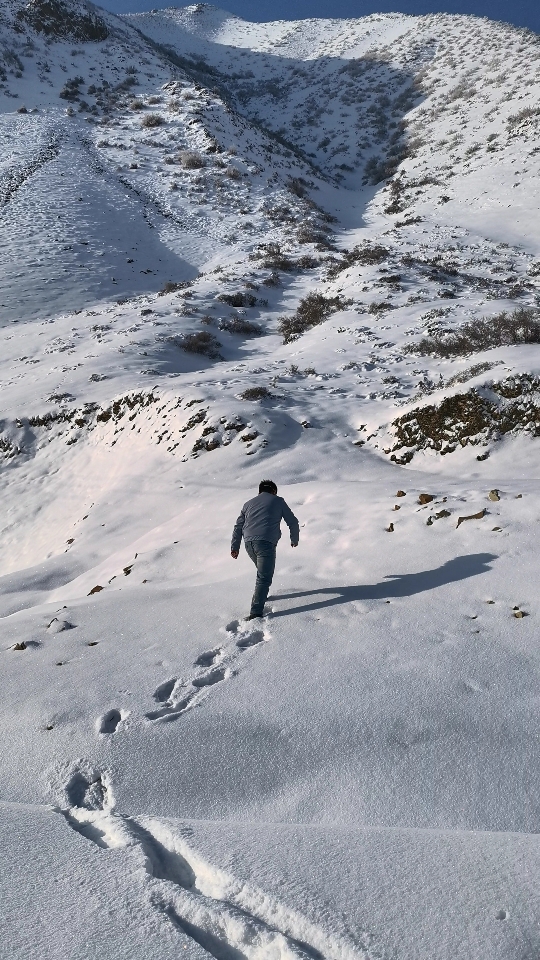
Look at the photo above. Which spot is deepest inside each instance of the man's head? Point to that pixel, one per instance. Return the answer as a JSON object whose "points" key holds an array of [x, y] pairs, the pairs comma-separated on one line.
{"points": [[267, 486]]}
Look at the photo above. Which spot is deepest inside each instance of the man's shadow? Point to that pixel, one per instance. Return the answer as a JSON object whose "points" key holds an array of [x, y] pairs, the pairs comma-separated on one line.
{"points": [[400, 585]]}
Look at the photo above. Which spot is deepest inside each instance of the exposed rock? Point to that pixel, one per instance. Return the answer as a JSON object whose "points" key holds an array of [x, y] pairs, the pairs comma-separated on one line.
{"points": [[472, 516], [401, 493], [425, 498], [19, 646], [494, 495], [482, 414], [58, 626], [390, 529], [56, 19], [95, 589]]}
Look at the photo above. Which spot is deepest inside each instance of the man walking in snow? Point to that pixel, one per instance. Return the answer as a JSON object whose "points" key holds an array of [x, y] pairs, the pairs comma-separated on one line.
{"points": [[259, 522]]}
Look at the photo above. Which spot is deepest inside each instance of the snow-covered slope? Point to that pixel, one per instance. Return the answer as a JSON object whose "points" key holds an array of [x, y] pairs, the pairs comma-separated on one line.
{"points": [[310, 251]]}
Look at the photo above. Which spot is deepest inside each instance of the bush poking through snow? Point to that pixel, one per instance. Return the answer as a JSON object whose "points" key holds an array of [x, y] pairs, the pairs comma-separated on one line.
{"points": [[203, 343], [273, 280], [256, 393], [239, 325], [381, 307], [312, 310], [238, 299], [172, 287], [152, 120], [191, 160], [363, 256], [271, 256], [503, 329]]}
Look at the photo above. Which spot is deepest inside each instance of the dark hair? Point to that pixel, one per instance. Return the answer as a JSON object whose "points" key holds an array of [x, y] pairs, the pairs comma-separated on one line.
{"points": [[267, 486]]}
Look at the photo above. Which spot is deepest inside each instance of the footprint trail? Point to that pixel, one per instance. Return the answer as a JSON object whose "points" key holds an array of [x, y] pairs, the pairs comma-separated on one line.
{"points": [[176, 696], [229, 918]]}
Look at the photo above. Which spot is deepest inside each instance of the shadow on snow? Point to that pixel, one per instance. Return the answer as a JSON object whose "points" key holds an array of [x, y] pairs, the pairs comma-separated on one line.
{"points": [[400, 585]]}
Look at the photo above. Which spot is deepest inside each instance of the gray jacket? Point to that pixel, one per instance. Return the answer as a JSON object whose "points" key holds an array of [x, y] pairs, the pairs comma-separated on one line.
{"points": [[260, 519]]}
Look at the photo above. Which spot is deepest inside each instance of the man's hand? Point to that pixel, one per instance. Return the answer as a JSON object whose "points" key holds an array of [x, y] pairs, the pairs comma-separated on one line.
{"points": [[234, 554], [294, 544]]}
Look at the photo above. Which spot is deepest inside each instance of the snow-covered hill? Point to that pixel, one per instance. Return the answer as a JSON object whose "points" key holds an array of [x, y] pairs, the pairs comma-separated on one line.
{"points": [[305, 250]]}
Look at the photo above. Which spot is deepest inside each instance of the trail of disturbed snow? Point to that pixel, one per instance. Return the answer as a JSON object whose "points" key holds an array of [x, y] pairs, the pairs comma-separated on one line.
{"points": [[228, 918]]}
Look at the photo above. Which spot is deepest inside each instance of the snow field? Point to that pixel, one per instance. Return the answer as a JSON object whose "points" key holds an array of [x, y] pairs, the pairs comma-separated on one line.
{"points": [[354, 776]]}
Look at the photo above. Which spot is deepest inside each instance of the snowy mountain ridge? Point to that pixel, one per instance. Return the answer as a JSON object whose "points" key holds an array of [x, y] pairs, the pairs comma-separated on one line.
{"points": [[311, 251]]}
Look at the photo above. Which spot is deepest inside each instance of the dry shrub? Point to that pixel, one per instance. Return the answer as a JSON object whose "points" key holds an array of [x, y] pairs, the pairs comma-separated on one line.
{"points": [[273, 280], [239, 325], [256, 393], [172, 287], [202, 342], [238, 299], [152, 120], [311, 311], [503, 329], [375, 308], [272, 257], [233, 173], [364, 255], [307, 262], [308, 233], [524, 118], [191, 160]]}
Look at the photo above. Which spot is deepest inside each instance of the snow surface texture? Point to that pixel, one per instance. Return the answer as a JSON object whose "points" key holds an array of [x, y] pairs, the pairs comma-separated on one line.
{"points": [[305, 251]]}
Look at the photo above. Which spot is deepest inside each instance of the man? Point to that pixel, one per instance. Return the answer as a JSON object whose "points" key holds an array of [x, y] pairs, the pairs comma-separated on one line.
{"points": [[259, 521]]}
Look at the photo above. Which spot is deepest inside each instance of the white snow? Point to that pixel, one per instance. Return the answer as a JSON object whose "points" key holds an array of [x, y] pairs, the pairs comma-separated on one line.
{"points": [[357, 774]]}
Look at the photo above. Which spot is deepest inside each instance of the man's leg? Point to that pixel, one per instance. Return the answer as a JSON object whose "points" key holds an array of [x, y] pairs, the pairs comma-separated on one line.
{"points": [[265, 554]]}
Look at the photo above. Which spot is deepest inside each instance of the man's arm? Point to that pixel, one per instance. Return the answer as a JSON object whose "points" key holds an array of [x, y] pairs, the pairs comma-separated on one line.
{"points": [[237, 534], [292, 523]]}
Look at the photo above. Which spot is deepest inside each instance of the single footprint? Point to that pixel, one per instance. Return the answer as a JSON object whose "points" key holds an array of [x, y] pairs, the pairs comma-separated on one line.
{"points": [[208, 680], [108, 723], [87, 790], [232, 627], [163, 692], [250, 639], [208, 658], [172, 711]]}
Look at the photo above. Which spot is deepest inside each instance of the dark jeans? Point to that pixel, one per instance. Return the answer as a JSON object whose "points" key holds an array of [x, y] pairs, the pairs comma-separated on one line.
{"points": [[263, 554]]}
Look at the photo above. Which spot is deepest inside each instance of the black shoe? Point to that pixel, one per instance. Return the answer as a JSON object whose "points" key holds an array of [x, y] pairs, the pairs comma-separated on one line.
{"points": [[254, 616]]}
